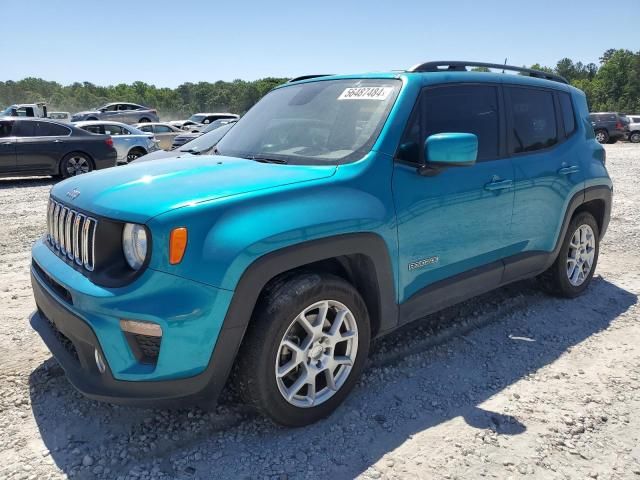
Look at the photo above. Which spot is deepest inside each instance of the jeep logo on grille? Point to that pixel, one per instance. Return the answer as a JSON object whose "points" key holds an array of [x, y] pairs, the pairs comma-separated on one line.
{"points": [[73, 194]]}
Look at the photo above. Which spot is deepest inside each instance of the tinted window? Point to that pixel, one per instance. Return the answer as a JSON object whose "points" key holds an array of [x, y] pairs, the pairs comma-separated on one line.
{"points": [[5, 129], [112, 108], [46, 129], [25, 129], [146, 128], [568, 116], [463, 109], [163, 129], [533, 120]]}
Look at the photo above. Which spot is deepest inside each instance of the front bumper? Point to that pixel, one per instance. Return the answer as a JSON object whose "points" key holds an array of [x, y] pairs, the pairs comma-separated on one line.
{"points": [[74, 323]]}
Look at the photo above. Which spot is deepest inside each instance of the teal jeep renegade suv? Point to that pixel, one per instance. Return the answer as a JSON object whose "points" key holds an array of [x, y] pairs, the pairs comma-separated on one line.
{"points": [[336, 210]]}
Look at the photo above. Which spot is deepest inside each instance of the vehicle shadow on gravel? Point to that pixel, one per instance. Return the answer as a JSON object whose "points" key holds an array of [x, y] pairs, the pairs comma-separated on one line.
{"points": [[423, 375], [9, 183]]}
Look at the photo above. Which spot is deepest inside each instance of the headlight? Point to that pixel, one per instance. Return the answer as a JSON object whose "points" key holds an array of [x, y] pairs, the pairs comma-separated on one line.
{"points": [[134, 245]]}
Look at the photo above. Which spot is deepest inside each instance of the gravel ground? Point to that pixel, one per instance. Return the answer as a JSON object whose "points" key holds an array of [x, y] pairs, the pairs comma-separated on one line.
{"points": [[511, 384]]}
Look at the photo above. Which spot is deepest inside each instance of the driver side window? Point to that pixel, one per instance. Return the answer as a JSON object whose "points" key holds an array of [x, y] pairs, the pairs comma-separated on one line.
{"points": [[453, 109]]}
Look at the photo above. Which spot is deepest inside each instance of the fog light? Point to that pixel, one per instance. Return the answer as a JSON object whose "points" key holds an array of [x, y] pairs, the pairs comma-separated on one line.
{"points": [[141, 328], [99, 361]]}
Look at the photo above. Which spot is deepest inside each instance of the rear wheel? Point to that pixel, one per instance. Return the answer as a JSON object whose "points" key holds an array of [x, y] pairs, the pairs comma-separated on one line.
{"points": [[602, 136], [305, 349], [575, 265], [75, 164], [144, 120], [135, 153], [634, 137]]}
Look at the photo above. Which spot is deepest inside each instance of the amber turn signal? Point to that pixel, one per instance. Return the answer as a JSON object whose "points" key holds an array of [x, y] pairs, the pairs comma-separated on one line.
{"points": [[177, 245]]}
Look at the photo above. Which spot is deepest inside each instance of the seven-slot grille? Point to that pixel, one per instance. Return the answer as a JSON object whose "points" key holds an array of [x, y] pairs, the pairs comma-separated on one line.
{"points": [[71, 234]]}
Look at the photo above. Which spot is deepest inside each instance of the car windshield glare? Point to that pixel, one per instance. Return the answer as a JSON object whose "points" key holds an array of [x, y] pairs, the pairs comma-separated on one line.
{"points": [[206, 141], [321, 122]]}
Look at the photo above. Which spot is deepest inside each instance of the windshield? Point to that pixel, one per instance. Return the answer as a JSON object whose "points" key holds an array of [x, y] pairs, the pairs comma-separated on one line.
{"points": [[314, 123], [206, 141], [197, 118]]}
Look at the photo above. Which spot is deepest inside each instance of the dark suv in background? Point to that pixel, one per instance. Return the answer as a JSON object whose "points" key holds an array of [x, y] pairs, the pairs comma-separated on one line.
{"points": [[36, 146], [609, 126]]}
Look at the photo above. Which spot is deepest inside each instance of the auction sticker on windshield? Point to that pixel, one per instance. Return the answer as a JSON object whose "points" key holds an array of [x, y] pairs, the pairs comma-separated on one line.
{"points": [[366, 93]]}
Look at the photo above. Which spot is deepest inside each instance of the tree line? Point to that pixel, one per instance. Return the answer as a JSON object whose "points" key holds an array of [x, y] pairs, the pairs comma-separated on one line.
{"points": [[613, 85]]}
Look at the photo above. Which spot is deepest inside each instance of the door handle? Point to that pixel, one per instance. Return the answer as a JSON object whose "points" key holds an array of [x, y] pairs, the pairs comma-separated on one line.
{"points": [[569, 170], [498, 185]]}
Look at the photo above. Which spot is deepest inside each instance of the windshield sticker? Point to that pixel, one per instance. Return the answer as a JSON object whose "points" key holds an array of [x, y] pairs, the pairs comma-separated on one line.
{"points": [[366, 93]]}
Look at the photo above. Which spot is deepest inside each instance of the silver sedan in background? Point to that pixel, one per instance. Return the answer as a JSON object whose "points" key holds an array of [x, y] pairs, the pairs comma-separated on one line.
{"points": [[164, 132], [129, 142], [119, 112]]}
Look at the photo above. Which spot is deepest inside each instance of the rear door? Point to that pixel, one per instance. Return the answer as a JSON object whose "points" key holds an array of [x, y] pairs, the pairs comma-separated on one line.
{"points": [[7, 147], [164, 135], [39, 145], [459, 219], [546, 154]]}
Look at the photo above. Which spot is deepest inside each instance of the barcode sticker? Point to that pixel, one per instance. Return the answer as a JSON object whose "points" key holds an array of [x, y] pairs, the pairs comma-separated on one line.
{"points": [[365, 93]]}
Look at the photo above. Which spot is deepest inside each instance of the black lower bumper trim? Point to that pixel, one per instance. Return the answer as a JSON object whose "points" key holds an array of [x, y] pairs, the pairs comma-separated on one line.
{"points": [[53, 321]]}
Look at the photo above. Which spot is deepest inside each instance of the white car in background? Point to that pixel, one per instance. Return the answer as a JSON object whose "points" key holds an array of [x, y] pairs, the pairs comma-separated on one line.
{"points": [[634, 128], [129, 142], [60, 116]]}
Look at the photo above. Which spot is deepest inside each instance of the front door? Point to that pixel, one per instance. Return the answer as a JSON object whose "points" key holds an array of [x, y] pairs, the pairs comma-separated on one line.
{"points": [[459, 219]]}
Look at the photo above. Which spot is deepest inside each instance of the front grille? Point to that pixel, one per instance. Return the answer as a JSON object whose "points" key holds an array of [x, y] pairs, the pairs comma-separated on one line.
{"points": [[71, 234]]}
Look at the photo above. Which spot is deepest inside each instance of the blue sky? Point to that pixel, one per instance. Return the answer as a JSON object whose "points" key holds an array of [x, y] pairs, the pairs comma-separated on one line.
{"points": [[167, 43]]}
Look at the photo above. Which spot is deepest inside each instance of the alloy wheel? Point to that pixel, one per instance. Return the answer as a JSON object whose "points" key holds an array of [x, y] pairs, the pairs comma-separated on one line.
{"points": [[601, 137], [316, 354], [77, 165], [581, 255]]}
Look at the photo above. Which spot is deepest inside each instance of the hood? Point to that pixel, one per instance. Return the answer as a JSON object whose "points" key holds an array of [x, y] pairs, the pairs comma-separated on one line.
{"points": [[140, 191]]}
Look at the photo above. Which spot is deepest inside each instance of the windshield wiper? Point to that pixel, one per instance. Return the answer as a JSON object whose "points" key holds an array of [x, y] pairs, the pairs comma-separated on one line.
{"points": [[267, 159], [192, 151]]}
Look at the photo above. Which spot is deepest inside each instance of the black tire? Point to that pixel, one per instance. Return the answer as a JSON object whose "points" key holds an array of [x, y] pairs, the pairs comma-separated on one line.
{"points": [[634, 137], [134, 154], [279, 305], [144, 120], [74, 164], [602, 136], [556, 279], [611, 141]]}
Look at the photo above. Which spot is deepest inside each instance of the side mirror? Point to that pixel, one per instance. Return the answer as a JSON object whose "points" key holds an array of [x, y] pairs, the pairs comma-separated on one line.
{"points": [[451, 149]]}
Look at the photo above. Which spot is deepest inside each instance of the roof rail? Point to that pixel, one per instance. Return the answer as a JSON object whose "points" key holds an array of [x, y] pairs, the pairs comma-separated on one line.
{"points": [[459, 66], [307, 77]]}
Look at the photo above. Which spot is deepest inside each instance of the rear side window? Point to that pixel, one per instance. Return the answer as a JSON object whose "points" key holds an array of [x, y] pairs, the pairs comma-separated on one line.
{"points": [[162, 129], [146, 128], [46, 129], [94, 129], [114, 130], [25, 129], [533, 119], [568, 117], [455, 108]]}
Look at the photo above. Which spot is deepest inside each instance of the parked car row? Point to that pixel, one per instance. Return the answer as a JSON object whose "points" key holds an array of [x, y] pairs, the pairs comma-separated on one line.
{"points": [[610, 127]]}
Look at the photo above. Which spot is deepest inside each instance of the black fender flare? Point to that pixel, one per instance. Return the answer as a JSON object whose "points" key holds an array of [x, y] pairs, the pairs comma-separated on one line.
{"points": [[262, 270]]}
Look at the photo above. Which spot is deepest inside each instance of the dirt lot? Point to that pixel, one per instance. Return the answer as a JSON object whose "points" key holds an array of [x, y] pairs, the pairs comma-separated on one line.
{"points": [[511, 384]]}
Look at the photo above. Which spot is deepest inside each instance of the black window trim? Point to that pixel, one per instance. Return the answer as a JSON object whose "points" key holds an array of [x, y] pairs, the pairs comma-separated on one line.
{"points": [[573, 114], [502, 123], [560, 131]]}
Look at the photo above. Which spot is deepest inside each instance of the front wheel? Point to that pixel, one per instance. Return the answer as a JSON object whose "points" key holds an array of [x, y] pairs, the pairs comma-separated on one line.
{"points": [[144, 120], [75, 164], [575, 265], [305, 348]]}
